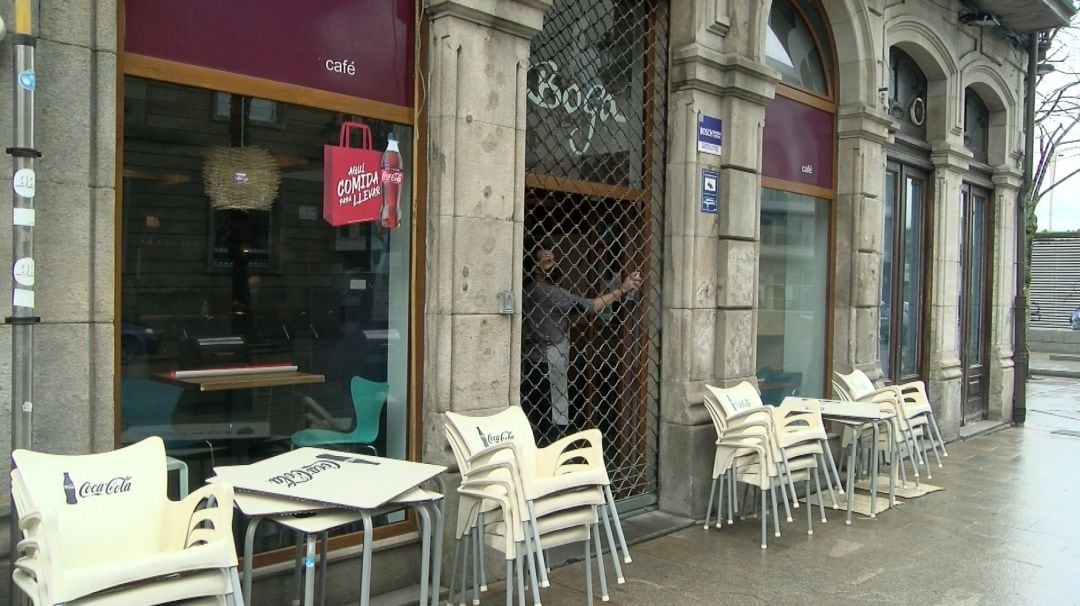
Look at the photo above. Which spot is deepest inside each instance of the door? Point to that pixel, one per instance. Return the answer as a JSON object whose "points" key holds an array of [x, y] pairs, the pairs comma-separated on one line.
{"points": [[903, 273], [974, 291]]}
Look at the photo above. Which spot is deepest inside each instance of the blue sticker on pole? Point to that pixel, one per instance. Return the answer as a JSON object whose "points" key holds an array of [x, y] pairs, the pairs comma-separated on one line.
{"points": [[710, 135], [28, 80], [710, 190]]}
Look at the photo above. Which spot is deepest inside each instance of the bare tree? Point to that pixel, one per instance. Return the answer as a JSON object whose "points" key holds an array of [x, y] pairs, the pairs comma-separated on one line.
{"points": [[1057, 114]]}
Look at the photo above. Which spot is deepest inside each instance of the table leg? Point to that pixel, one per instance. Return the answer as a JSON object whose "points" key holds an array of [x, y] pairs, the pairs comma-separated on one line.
{"points": [[873, 471], [309, 570], [365, 571], [438, 555], [425, 550], [851, 473], [323, 563], [249, 548], [894, 448]]}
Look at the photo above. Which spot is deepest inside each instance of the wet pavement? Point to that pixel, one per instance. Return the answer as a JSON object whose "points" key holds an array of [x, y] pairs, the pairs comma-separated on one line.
{"points": [[1004, 531]]}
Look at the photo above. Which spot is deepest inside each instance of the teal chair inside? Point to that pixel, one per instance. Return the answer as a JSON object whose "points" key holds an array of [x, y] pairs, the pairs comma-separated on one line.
{"points": [[368, 399]]}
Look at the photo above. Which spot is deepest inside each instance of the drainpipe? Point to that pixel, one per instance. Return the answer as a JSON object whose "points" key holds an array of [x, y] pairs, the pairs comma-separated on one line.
{"points": [[22, 318], [1020, 304]]}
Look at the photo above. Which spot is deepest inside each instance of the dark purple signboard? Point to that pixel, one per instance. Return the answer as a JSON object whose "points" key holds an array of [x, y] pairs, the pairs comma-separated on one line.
{"points": [[360, 48], [799, 143]]}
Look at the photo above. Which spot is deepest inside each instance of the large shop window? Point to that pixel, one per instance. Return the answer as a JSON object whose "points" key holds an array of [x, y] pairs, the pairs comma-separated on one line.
{"points": [[227, 262], [792, 294]]}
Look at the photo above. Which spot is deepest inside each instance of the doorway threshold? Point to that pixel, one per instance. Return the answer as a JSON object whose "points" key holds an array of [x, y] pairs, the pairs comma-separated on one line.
{"points": [[981, 428]]}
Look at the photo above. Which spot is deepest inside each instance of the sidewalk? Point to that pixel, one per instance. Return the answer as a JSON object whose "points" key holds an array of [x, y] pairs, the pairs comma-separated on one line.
{"points": [[1003, 531]]}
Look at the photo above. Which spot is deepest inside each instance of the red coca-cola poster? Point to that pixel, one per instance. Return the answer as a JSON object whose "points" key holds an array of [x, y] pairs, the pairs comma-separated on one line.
{"points": [[361, 184]]}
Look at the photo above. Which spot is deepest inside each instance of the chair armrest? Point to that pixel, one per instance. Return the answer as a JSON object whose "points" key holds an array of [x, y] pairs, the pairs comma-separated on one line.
{"points": [[749, 412], [189, 525], [552, 460]]}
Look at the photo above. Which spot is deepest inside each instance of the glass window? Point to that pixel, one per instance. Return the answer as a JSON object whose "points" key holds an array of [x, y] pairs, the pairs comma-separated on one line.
{"points": [[907, 94], [912, 276], [886, 307], [792, 287], [791, 48], [254, 277], [900, 338], [976, 125]]}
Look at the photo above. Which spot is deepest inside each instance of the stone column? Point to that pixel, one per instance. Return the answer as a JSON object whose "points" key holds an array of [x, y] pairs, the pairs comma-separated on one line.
{"points": [[710, 260], [862, 135], [476, 78], [75, 114], [944, 363], [1003, 270]]}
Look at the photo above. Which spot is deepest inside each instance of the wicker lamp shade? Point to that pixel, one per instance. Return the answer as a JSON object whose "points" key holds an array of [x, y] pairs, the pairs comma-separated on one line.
{"points": [[241, 178]]}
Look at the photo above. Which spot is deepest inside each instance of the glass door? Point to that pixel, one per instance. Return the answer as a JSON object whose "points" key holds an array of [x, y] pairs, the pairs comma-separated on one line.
{"points": [[974, 290], [903, 273]]}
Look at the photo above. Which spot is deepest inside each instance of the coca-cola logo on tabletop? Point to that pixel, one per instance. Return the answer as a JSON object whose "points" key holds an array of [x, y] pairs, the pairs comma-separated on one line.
{"points": [[304, 474], [113, 486]]}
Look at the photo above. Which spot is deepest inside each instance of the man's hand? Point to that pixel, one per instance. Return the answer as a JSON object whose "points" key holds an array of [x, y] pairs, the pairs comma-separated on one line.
{"points": [[632, 283]]}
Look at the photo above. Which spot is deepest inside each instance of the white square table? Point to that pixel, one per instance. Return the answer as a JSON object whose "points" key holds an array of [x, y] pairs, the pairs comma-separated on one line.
{"points": [[314, 479], [858, 416]]}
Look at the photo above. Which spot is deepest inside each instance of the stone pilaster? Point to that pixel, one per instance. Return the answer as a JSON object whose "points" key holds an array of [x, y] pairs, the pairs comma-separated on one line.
{"points": [[1003, 272], [479, 53], [710, 272], [863, 132]]}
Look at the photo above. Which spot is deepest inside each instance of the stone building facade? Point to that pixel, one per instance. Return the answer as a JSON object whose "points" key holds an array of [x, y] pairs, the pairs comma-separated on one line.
{"points": [[908, 222]]}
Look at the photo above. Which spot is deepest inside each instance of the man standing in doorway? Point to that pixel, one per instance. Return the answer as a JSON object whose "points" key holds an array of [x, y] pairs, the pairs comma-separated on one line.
{"points": [[546, 313]]}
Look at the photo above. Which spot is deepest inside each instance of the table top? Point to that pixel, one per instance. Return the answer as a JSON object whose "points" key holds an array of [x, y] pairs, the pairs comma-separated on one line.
{"points": [[242, 380], [329, 477], [845, 410]]}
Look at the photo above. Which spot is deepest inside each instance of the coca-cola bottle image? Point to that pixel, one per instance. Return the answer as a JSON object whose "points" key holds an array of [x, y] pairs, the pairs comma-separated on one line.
{"points": [[390, 214], [69, 489]]}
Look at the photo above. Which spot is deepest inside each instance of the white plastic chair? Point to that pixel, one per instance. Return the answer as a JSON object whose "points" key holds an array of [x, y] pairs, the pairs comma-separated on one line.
{"points": [[492, 511], [100, 528], [566, 466], [914, 415], [764, 447]]}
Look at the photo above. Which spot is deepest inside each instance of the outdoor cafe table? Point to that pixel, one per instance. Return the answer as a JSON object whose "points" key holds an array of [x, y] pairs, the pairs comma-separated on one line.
{"points": [[858, 416], [313, 479]]}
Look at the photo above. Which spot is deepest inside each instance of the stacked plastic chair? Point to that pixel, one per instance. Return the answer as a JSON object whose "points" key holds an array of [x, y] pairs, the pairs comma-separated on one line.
{"points": [[766, 447], [559, 488], [100, 529], [914, 415]]}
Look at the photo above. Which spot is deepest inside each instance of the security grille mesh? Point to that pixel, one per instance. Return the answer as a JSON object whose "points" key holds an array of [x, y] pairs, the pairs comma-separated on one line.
{"points": [[594, 193]]}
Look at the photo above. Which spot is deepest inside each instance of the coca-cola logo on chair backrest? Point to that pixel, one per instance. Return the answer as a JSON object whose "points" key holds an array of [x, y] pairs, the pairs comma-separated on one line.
{"points": [[94, 487]]}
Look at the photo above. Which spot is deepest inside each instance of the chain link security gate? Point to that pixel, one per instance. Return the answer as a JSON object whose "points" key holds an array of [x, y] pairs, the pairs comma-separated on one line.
{"points": [[595, 140]]}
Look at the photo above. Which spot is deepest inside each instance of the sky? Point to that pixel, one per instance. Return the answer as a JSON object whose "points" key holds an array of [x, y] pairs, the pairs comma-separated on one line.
{"points": [[1059, 210]]}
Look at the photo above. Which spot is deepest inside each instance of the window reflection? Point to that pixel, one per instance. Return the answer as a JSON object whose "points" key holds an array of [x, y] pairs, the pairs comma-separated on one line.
{"points": [[790, 47], [205, 288]]}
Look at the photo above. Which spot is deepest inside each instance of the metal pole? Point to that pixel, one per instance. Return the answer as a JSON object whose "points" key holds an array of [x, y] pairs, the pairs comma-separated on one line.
{"points": [[22, 317], [1027, 191]]}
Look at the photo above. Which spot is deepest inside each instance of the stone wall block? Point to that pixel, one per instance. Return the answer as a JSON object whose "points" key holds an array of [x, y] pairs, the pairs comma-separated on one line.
{"points": [[675, 353], [480, 267], [735, 343], [706, 271], [484, 169], [63, 113], [867, 279], [103, 380], [62, 408], [866, 335], [679, 262], [737, 281], [682, 214], [686, 471], [703, 343], [62, 251], [871, 225], [743, 130], [103, 111], [438, 362], [103, 254], [740, 204], [480, 362], [70, 22]]}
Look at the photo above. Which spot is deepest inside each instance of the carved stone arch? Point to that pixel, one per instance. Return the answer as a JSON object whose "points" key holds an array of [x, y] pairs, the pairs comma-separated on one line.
{"points": [[986, 81], [858, 70], [927, 47]]}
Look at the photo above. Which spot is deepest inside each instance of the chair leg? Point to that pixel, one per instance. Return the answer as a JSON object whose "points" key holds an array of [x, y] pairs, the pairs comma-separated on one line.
{"points": [[618, 524], [520, 579], [530, 561], [732, 499], [784, 495], [437, 559], [787, 470], [810, 508], [237, 588], [480, 548], [937, 432], [509, 582], [453, 572], [820, 497], [764, 514], [425, 554], [933, 443], [832, 464], [720, 502], [924, 456], [604, 597], [466, 557], [588, 569], [619, 578], [540, 559], [828, 480], [775, 513], [478, 559], [297, 584], [708, 508]]}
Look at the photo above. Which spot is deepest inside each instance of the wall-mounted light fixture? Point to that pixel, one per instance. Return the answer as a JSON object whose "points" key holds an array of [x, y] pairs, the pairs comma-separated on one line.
{"points": [[1045, 68]]}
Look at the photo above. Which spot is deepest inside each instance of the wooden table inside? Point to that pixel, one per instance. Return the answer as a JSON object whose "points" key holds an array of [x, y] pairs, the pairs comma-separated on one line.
{"points": [[238, 380]]}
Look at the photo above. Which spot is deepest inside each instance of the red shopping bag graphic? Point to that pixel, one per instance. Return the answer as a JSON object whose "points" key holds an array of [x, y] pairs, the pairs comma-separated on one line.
{"points": [[352, 179]]}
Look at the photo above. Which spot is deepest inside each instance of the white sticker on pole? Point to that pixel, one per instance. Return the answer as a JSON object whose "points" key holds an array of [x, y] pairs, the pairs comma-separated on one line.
{"points": [[28, 407], [21, 297], [24, 182], [23, 216], [24, 271]]}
